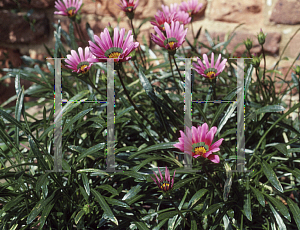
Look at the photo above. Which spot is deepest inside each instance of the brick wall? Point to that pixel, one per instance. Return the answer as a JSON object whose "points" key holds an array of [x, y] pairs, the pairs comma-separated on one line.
{"points": [[279, 18]]}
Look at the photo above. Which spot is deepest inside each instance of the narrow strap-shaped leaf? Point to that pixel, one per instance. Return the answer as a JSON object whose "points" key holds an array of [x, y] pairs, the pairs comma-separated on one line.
{"points": [[107, 211], [280, 206], [196, 197], [85, 183], [247, 202], [259, 196], [79, 215], [295, 211], [278, 218], [270, 174]]}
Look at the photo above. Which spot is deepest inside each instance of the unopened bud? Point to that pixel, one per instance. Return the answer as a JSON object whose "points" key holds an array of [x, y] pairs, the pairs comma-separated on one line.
{"points": [[248, 44], [261, 37], [256, 61]]}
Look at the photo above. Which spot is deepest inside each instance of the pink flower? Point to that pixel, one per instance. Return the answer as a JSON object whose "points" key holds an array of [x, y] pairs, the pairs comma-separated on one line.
{"points": [[161, 18], [68, 7], [128, 5], [183, 17], [191, 7], [118, 48], [164, 185], [198, 142], [175, 36], [209, 71], [79, 64], [173, 9]]}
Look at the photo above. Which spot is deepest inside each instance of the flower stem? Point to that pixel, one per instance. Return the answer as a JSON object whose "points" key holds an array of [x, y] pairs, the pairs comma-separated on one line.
{"points": [[135, 107], [260, 85], [93, 86], [139, 49], [211, 181], [79, 33], [187, 223], [177, 68], [173, 75], [263, 51]]}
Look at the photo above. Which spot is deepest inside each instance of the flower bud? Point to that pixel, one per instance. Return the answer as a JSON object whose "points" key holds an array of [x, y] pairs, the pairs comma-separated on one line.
{"points": [[248, 44], [297, 70], [261, 37], [256, 61]]}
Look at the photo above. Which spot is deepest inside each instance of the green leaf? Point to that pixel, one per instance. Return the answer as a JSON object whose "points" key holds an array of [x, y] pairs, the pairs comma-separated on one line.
{"points": [[119, 203], [164, 146], [84, 194], [132, 192], [85, 183], [213, 208], [90, 151], [45, 214], [295, 211], [79, 216], [278, 218], [145, 82], [270, 109], [196, 197], [107, 211], [92, 170], [270, 174], [140, 225], [109, 188], [76, 118], [180, 183], [280, 206], [41, 205], [89, 31], [259, 196], [247, 202], [282, 148]]}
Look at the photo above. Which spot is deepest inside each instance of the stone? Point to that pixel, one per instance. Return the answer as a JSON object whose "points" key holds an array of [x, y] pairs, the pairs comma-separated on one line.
{"points": [[286, 12], [293, 48], [14, 28], [39, 4], [10, 58], [271, 45], [236, 11], [95, 7]]}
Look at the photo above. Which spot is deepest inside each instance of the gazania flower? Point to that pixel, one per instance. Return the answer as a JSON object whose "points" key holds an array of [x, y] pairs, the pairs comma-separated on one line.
{"points": [[68, 7], [198, 142], [172, 9], [183, 17], [175, 36], [164, 184], [128, 5], [191, 7], [210, 71], [106, 48], [161, 18], [179, 15], [79, 64]]}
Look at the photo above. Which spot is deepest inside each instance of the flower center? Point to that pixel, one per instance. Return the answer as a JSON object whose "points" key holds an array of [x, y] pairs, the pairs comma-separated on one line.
{"points": [[71, 11], [83, 66], [113, 52], [129, 7], [171, 42], [210, 73], [199, 149], [165, 186]]}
